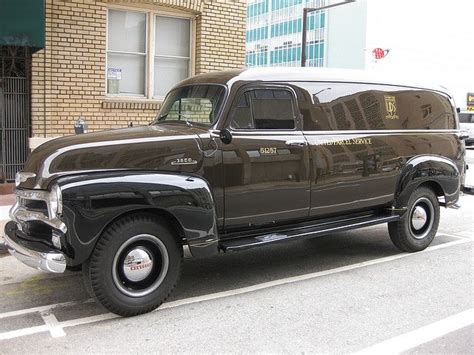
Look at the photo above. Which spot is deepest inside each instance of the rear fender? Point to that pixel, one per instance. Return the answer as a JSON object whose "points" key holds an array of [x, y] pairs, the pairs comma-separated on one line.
{"points": [[428, 169]]}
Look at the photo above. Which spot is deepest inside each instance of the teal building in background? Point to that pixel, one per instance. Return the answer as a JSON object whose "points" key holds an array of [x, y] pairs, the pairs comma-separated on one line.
{"points": [[274, 31]]}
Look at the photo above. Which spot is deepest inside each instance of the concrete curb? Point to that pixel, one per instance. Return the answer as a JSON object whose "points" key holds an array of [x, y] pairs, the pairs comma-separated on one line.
{"points": [[3, 249], [4, 218]]}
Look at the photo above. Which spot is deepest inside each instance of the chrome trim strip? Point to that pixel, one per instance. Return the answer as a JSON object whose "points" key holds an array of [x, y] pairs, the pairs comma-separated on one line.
{"points": [[280, 132], [38, 195], [53, 261], [276, 132], [382, 132]]}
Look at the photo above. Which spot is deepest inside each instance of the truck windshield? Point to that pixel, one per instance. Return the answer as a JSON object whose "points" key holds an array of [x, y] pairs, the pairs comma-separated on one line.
{"points": [[192, 104]]}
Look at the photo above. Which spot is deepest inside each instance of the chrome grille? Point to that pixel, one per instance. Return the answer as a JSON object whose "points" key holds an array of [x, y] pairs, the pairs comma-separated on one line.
{"points": [[35, 205]]}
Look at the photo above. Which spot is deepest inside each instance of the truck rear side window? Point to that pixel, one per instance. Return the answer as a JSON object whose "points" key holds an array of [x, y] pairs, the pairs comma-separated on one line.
{"points": [[353, 106], [264, 109]]}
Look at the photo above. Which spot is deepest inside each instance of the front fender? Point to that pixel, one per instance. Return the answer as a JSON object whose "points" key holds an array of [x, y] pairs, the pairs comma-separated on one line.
{"points": [[428, 169], [91, 202]]}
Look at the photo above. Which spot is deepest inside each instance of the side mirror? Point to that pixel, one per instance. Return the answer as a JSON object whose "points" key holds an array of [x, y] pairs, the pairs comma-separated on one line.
{"points": [[225, 136]]}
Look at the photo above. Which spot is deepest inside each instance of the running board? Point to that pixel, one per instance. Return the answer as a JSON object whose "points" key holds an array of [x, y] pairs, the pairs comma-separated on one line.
{"points": [[313, 231]]}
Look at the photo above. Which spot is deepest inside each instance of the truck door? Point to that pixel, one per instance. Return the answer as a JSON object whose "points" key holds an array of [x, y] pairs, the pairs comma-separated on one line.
{"points": [[355, 152], [267, 164]]}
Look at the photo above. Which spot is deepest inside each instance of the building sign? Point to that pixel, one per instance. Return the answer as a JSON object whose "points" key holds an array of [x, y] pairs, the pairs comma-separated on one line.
{"points": [[380, 53], [470, 101], [114, 75]]}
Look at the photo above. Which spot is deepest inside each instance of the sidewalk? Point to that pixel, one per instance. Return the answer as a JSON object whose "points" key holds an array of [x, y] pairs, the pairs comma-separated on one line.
{"points": [[6, 202]]}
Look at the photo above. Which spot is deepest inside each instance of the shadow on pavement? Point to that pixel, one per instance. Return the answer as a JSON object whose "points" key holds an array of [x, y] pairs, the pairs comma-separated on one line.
{"points": [[209, 275]]}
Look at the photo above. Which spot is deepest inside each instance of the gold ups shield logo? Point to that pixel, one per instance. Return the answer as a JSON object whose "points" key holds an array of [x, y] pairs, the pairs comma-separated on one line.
{"points": [[391, 107]]}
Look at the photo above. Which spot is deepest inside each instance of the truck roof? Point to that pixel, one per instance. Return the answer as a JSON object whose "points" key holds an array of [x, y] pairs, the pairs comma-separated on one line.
{"points": [[288, 74]]}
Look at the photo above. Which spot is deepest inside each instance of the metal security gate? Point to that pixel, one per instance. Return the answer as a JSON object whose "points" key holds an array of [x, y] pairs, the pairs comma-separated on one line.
{"points": [[15, 64]]}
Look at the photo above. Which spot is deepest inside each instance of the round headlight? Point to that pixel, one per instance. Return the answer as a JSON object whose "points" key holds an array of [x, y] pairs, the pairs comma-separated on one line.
{"points": [[55, 201]]}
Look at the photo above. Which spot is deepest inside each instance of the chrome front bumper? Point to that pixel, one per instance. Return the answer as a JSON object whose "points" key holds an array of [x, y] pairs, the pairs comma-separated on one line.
{"points": [[42, 259]]}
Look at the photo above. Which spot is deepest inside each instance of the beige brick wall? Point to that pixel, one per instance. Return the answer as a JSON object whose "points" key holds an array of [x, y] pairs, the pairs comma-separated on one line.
{"points": [[68, 78]]}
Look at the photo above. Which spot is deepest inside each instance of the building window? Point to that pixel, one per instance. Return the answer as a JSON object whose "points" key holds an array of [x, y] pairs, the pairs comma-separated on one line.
{"points": [[143, 63], [172, 57], [126, 53]]}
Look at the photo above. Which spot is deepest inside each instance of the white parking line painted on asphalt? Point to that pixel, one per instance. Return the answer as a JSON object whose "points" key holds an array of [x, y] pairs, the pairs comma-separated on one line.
{"points": [[54, 327], [87, 320], [462, 235], [422, 335], [212, 296], [46, 308], [23, 332], [467, 234]]}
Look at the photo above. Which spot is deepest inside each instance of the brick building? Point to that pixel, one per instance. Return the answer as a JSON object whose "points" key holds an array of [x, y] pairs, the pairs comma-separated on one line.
{"points": [[111, 62]]}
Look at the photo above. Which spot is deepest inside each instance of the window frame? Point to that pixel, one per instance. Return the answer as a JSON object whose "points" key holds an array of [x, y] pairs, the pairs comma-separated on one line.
{"points": [[151, 15], [294, 102]]}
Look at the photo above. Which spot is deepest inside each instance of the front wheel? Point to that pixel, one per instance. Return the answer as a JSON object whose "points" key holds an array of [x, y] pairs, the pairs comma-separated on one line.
{"points": [[417, 228], [135, 265]]}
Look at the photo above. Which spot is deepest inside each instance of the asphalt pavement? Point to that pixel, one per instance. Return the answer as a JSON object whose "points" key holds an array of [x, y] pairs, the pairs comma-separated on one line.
{"points": [[343, 293]]}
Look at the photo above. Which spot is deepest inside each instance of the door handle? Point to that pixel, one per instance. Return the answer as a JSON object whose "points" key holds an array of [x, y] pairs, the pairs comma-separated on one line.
{"points": [[298, 143]]}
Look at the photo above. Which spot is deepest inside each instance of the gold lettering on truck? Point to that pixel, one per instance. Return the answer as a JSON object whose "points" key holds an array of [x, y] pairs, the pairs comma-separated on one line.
{"points": [[349, 141], [268, 151], [391, 107]]}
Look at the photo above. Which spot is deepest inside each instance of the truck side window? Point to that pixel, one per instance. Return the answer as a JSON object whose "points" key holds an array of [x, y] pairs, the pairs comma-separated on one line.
{"points": [[346, 106], [264, 109], [242, 117]]}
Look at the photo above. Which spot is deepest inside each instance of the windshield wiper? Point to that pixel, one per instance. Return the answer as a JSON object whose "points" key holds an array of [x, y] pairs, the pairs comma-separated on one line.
{"points": [[186, 119], [159, 119]]}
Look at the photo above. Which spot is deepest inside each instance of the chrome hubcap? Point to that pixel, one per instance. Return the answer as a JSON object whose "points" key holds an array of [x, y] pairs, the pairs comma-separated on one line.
{"points": [[422, 218], [419, 217], [140, 265]]}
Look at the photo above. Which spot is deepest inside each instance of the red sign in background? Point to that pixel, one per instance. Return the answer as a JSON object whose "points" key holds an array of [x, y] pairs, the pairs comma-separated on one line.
{"points": [[380, 53]]}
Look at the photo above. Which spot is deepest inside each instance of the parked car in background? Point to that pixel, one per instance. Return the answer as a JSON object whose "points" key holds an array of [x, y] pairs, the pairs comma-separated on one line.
{"points": [[466, 122]]}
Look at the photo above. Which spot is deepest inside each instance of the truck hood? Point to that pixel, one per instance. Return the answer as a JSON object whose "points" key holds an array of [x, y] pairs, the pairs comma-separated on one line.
{"points": [[145, 148]]}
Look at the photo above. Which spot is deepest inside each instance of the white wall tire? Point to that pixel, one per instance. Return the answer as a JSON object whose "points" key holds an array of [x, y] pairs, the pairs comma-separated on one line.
{"points": [[135, 265], [417, 227]]}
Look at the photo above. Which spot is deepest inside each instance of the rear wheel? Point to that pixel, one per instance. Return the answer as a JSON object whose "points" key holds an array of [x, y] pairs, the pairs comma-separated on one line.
{"points": [[417, 228], [135, 265]]}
